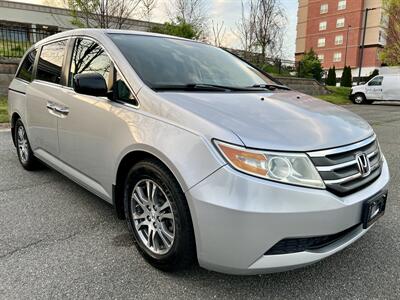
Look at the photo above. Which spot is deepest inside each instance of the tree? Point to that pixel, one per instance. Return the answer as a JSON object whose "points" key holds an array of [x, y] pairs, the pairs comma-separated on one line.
{"points": [[102, 13], [310, 66], [346, 80], [390, 55], [373, 74], [331, 79], [245, 31], [269, 20], [148, 6], [218, 32], [180, 28], [192, 12]]}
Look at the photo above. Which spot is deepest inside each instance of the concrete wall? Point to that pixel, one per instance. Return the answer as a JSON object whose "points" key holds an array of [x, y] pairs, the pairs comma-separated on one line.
{"points": [[50, 16], [304, 85], [8, 67]]}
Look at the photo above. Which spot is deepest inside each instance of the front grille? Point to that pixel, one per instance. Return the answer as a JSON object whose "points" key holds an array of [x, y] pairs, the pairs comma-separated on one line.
{"points": [[294, 245], [339, 170]]}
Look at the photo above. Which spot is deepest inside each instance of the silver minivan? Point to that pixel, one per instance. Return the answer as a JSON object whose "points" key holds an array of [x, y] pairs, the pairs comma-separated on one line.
{"points": [[379, 88], [208, 158]]}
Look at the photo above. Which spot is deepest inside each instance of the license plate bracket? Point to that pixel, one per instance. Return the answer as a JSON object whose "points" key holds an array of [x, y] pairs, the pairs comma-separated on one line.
{"points": [[373, 209]]}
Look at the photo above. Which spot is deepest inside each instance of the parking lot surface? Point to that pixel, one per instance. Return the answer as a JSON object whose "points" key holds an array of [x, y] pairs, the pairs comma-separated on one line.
{"points": [[59, 241]]}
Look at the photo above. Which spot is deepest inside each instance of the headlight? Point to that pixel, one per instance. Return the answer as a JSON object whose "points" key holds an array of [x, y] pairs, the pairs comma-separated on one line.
{"points": [[291, 168]]}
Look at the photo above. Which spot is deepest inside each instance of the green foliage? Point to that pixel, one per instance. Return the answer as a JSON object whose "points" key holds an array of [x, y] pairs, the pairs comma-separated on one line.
{"points": [[179, 28], [373, 74], [390, 55], [3, 110], [331, 79], [337, 95], [310, 66], [346, 80]]}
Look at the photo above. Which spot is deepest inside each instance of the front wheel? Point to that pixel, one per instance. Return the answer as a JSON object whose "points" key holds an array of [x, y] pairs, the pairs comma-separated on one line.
{"points": [[359, 99], [158, 216]]}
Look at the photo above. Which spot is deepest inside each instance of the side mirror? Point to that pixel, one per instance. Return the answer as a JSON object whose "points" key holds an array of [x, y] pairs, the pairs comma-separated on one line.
{"points": [[92, 84]]}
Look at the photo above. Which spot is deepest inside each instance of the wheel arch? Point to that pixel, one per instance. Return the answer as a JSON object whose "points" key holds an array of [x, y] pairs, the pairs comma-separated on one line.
{"points": [[125, 164], [15, 116]]}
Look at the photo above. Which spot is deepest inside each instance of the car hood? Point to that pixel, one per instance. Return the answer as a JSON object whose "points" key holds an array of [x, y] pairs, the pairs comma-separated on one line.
{"points": [[287, 121]]}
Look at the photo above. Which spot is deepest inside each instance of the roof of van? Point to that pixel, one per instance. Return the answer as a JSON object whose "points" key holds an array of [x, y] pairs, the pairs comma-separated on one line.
{"points": [[96, 33]]}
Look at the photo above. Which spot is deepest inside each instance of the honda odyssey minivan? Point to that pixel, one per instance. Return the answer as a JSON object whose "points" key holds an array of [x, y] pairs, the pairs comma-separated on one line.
{"points": [[208, 159]]}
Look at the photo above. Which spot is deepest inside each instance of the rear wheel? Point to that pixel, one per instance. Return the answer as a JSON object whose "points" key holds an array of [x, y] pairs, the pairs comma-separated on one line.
{"points": [[158, 216], [24, 151]]}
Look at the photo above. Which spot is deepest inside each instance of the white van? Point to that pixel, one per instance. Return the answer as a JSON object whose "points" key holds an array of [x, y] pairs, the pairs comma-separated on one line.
{"points": [[379, 88]]}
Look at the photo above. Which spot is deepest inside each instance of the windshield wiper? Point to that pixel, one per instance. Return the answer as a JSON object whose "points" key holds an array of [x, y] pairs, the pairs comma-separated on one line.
{"points": [[271, 87], [201, 87]]}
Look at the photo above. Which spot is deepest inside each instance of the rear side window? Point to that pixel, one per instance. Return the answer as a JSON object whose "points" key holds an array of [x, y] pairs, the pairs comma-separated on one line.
{"points": [[51, 61], [26, 70], [89, 57]]}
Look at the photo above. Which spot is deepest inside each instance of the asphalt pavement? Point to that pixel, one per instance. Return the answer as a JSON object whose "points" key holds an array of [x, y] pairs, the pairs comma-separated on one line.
{"points": [[59, 241]]}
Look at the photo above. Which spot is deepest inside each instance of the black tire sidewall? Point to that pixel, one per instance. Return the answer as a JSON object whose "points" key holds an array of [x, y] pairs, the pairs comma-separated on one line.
{"points": [[179, 253]]}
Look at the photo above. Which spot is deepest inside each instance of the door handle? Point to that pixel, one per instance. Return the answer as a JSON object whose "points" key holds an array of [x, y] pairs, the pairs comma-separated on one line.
{"points": [[51, 105], [62, 110]]}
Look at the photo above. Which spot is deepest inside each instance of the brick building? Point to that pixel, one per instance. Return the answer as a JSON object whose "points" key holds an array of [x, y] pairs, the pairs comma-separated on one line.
{"points": [[334, 29]]}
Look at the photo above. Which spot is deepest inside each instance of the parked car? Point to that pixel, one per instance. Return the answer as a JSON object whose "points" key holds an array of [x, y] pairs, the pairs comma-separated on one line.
{"points": [[379, 88], [206, 157]]}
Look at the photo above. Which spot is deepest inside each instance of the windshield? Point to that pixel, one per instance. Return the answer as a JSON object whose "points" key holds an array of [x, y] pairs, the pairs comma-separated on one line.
{"points": [[163, 62]]}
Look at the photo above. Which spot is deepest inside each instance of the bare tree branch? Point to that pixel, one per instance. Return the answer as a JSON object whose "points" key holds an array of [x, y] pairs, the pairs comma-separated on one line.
{"points": [[218, 32], [245, 31], [193, 12], [148, 8], [103, 13], [269, 20]]}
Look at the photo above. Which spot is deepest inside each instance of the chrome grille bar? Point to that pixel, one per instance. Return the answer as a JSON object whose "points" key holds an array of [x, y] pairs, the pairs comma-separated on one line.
{"points": [[343, 149], [343, 165]]}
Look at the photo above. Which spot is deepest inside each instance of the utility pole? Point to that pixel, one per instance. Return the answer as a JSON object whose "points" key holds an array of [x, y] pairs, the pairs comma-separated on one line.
{"points": [[347, 45], [362, 44]]}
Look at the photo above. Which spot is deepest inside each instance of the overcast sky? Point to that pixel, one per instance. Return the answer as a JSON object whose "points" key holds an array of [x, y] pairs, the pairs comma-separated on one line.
{"points": [[229, 12]]}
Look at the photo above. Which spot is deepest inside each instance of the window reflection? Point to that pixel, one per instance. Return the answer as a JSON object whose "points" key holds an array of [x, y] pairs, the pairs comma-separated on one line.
{"points": [[89, 56], [50, 62], [121, 90], [26, 70]]}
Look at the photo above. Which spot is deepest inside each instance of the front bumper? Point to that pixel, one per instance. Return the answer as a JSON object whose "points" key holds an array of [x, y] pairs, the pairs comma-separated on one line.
{"points": [[238, 218]]}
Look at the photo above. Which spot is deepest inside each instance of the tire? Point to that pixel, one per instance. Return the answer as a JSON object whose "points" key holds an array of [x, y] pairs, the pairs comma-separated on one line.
{"points": [[25, 154], [359, 98], [167, 214]]}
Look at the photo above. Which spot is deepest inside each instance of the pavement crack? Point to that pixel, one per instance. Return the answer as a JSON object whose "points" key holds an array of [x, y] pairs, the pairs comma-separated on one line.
{"points": [[27, 186], [21, 248], [50, 241]]}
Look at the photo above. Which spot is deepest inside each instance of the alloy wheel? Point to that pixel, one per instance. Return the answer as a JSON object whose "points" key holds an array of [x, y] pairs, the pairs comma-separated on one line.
{"points": [[23, 145], [153, 216], [359, 99]]}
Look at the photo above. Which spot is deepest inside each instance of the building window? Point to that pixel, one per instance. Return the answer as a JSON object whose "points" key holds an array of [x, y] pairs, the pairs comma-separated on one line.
{"points": [[337, 56], [322, 25], [321, 42], [324, 8], [341, 5], [321, 58], [382, 37], [340, 23], [339, 40]]}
